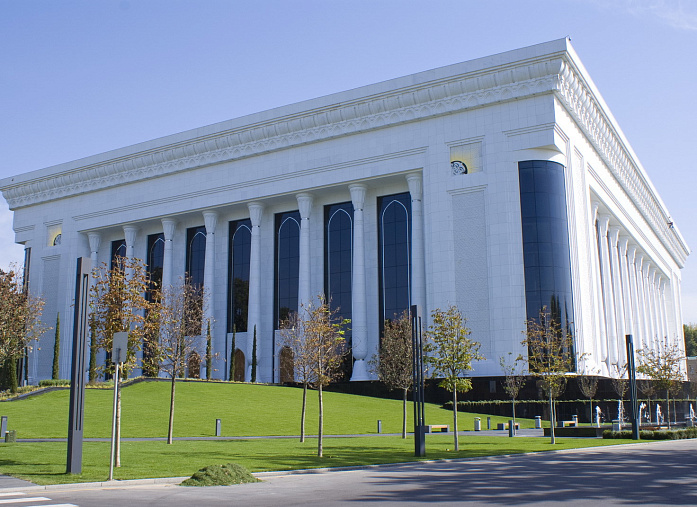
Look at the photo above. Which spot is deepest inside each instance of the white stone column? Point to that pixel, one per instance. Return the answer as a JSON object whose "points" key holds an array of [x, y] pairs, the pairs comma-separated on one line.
{"points": [[622, 245], [659, 309], [631, 270], [664, 308], [256, 211], [598, 307], [130, 234], [359, 313], [653, 336], [168, 227], [95, 240], [609, 308], [644, 305], [305, 296], [210, 220], [418, 267]]}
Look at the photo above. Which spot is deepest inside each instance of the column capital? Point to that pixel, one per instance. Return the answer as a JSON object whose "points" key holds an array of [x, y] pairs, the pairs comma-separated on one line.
{"points": [[304, 205], [594, 207], [614, 235], [95, 240], [168, 227], [415, 182], [631, 253], [210, 220], [358, 191], [256, 210], [623, 242], [603, 223], [130, 233]]}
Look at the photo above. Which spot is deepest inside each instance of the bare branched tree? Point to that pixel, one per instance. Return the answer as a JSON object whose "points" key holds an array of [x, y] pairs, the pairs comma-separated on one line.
{"points": [[588, 385], [178, 319], [293, 337], [514, 371], [663, 364], [550, 356], [394, 364]]}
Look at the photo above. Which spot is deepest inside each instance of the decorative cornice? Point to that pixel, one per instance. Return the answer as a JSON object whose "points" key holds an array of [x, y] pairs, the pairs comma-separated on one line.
{"points": [[580, 101], [407, 104]]}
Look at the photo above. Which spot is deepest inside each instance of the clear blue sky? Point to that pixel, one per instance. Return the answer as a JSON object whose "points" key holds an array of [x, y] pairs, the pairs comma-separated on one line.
{"points": [[82, 77]]}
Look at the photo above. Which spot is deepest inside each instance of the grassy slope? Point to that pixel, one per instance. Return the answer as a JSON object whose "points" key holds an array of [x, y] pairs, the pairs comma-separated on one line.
{"points": [[245, 410], [44, 463]]}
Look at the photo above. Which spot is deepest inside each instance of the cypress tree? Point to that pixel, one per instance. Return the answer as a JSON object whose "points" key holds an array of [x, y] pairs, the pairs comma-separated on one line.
{"points": [[209, 346], [254, 355], [56, 348]]}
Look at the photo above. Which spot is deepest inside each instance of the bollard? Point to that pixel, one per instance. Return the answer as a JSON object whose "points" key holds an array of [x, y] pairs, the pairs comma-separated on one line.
{"points": [[538, 422], [511, 428], [575, 419], [3, 425], [217, 427], [379, 425], [11, 436], [477, 424], [488, 423]]}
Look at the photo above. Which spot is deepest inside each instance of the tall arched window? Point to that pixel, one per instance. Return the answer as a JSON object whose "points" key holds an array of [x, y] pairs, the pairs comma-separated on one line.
{"points": [[118, 249], [156, 255], [287, 265], [338, 255], [239, 248], [196, 255], [394, 228]]}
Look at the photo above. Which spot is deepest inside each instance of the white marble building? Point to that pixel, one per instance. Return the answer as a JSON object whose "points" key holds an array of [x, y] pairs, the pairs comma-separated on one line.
{"points": [[491, 184]]}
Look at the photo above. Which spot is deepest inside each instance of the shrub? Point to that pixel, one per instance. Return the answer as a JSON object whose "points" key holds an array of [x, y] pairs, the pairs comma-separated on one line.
{"points": [[220, 475], [54, 383], [678, 434]]}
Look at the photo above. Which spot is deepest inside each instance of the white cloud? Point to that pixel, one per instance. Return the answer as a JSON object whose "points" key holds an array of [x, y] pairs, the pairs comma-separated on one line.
{"points": [[10, 252]]}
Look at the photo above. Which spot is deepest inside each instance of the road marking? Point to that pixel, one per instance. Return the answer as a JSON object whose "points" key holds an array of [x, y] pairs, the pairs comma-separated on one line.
{"points": [[24, 500], [12, 494]]}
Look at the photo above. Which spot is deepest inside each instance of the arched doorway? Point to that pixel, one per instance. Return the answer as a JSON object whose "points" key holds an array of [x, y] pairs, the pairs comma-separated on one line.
{"points": [[194, 365], [239, 366], [287, 365]]}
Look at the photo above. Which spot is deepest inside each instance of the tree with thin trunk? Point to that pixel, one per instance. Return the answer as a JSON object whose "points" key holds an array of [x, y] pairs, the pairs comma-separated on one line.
{"points": [[232, 353], [588, 385], [178, 318], [619, 385], [20, 320], [648, 389], [118, 304], [293, 336], [324, 331], [550, 356], [663, 364], [394, 364], [450, 354], [55, 374], [514, 377], [254, 355], [209, 354]]}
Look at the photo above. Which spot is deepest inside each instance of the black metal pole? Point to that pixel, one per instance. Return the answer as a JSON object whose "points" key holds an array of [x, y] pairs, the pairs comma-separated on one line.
{"points": [[418, 373], [77, 377], [631, 372]]}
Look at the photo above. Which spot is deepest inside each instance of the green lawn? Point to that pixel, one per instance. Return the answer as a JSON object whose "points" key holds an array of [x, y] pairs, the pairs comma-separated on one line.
{"points": [[44, 463], [245, 410]]}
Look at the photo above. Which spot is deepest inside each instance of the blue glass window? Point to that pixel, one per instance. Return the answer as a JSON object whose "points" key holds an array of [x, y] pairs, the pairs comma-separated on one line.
{"points": [[338, 257], [118, 249], [394, 259], [287, 265], [156, 256], [546, 250], [196, 255], [239, 248]]}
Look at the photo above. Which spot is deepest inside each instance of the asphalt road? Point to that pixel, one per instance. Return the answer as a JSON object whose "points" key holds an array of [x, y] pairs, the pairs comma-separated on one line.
{"points": [[656, 473]]}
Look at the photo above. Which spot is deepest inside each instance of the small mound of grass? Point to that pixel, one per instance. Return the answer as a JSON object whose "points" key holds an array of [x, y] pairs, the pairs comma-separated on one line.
{"points": [[220, 475]]}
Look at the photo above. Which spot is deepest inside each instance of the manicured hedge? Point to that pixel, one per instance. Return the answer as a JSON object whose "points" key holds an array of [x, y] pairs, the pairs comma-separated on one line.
{"points": [[677, 434]]}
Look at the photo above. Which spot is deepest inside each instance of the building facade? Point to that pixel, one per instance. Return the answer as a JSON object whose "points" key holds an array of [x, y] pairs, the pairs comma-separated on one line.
{"points": [[500, 185]]}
